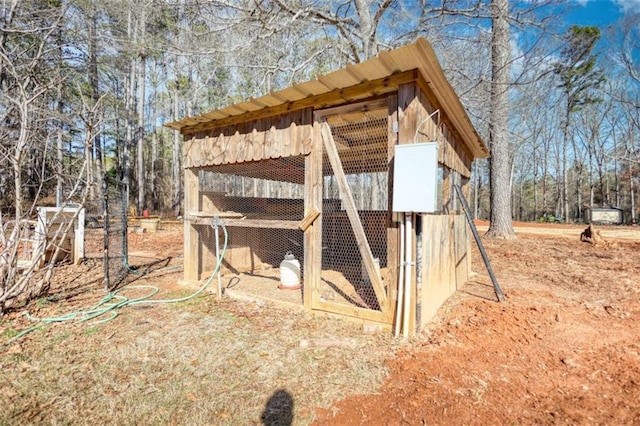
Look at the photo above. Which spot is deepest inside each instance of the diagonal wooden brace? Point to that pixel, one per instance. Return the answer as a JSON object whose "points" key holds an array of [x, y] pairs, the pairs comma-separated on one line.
{"points": [[352, 213]]}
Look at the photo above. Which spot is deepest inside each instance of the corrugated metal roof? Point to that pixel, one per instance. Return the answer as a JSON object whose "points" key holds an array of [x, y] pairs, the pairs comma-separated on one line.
{"points": [[418, 55]]}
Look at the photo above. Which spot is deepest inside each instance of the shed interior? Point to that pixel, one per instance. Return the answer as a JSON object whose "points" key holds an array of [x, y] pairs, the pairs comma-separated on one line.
{"points": [[262, 203]]}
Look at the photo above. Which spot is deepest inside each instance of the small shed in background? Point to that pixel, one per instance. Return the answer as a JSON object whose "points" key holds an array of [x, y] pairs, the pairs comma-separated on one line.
{"points": [[309, 170], [604, 215]]}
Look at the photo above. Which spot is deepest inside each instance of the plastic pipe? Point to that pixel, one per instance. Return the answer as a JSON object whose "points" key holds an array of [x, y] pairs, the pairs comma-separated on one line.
{"points": [[400, 300], [408, 252], [218, 260]]}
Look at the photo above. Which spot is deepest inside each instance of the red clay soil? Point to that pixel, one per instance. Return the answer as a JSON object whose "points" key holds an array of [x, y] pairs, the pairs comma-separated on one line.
{"points": [[563, 349]]}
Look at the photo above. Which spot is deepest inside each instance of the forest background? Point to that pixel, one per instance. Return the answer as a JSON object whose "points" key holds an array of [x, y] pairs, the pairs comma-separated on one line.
{"points": [[86, 86]]}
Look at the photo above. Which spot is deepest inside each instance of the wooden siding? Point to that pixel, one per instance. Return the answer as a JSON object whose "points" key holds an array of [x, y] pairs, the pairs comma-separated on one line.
{"points": [[291, 134], [446, 261], [265, 138], [434, 126], [379, 75]]}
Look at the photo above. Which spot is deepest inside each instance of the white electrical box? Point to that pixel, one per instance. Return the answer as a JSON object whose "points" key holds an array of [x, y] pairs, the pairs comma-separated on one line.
{"points": [[415, 177]]}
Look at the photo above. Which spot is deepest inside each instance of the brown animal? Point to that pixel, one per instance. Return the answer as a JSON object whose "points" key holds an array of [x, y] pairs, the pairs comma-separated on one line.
{"points": [[592, 235]]}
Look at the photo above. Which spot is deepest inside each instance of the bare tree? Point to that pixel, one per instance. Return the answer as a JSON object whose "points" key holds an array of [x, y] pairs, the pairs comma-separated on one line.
{"points": [[629, 38], [501, 225], [27, 53]]}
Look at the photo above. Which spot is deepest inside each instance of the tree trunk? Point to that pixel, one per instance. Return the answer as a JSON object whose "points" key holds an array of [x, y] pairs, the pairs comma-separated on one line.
{"points": [[591, 184], [535, 185], [578, 193], [176, 155], [565, 173], [367, 28], [59, 153], [153, 184], [95, 96], [545, 171], [130, 97], [59, 126], [88, 158], [501, 225], [578, 171], [616, 172], [632, 199], [140, 168]]}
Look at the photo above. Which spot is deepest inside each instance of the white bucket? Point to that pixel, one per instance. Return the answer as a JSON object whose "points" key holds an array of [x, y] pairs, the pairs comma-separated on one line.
{"points": [[289, 272]]}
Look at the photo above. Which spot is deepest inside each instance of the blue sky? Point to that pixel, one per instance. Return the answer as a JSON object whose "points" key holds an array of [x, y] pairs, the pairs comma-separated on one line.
{"points": [[600, 12]]}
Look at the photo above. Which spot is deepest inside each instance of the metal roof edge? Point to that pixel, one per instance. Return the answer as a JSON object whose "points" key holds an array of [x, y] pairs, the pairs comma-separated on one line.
{"points": [[422, 57]]}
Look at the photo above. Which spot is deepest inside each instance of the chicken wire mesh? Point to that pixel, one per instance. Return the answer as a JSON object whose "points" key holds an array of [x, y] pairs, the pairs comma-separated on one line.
{"points": [[361, 141], [262, 202], [106, 233], [244, 197]]}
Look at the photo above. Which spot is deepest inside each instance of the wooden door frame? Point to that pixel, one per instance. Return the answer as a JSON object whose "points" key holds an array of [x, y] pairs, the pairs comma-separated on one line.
{"points": [[386, 297]]}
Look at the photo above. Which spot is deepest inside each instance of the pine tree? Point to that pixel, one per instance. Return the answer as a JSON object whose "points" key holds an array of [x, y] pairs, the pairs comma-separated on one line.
{"points": [[578, 75]]}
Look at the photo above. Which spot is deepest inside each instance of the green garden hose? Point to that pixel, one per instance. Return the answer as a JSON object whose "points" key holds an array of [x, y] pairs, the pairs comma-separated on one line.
{"points": [[114, 300]]}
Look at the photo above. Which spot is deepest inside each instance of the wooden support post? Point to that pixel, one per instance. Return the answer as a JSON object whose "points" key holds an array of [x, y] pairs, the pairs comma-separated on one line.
{"points": [[313, 232], [409, 112], [392, 226], [191, 237], [352, 213], [78, 238]]}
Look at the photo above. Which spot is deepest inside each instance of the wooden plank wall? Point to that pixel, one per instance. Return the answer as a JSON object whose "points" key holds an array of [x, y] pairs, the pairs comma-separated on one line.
{"points": [[270, 137], [249, 249], [393, 231], [451, 151], [446, 256], [192, 267]]}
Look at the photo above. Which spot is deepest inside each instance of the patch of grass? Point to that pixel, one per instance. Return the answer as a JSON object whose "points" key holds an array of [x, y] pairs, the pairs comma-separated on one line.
{"points": [[42, 302], [57, 337], [193, 302], [91, 330], [176, 356], [17, 358], [10, 333]]}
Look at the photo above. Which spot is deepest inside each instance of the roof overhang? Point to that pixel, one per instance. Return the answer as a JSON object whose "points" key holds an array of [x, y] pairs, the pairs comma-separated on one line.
{"points": [[382, 68]]}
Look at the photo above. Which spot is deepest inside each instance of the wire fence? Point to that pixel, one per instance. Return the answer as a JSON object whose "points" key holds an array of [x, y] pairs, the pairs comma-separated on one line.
{"points": [[106, 233]]}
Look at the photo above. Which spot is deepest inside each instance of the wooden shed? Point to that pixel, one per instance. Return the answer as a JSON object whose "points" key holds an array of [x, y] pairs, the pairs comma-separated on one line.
{"points": [[309, 170], [604, 216]]}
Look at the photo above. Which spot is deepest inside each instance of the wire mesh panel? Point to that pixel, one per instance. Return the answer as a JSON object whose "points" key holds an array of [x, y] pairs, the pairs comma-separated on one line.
{"points": [[361, 143], [260, 204], [106, 233], [94, 229], [116, 268]]}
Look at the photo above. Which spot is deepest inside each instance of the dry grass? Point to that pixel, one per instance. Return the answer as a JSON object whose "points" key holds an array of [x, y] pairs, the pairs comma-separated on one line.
{"points": [[198, 362]]}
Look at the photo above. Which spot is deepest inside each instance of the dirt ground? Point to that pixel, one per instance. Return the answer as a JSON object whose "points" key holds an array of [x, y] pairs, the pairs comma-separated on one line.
{"points": [[563, 349]]}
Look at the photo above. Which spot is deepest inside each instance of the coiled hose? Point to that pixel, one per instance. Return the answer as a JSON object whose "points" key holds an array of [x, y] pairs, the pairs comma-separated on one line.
{"points": [[109, 305]]}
